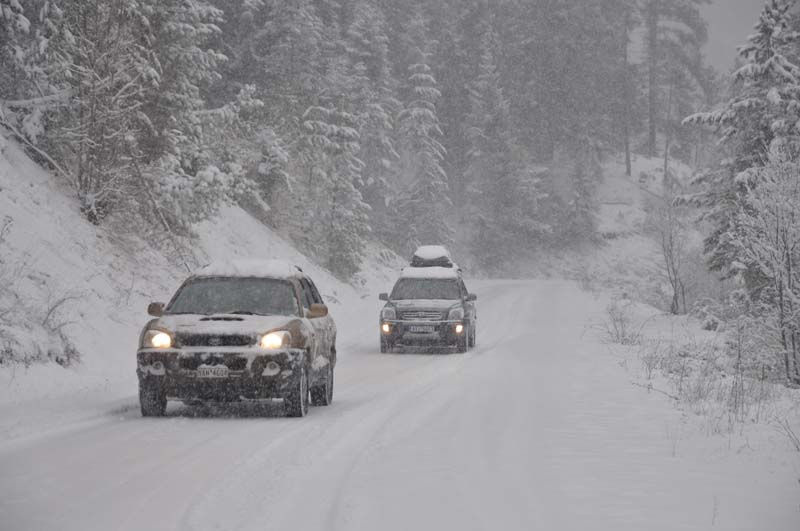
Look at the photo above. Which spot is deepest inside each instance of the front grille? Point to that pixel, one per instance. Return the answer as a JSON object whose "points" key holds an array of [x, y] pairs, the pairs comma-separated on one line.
{"points": [[422, 315], [209, 340], [233, 363]]}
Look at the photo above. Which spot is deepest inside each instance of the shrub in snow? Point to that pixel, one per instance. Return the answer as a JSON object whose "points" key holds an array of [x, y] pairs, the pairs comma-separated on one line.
{"points": [[618, 326], [26, 344]]}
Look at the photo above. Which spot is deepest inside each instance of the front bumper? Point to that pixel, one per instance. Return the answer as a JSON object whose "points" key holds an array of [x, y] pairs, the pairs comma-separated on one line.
{"points": [[251, 374], [436, 333]]}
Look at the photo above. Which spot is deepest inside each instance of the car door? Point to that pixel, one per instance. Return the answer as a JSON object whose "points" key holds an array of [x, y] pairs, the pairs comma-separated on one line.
{"points": [[327, 325], [320, 342], [470, 310]]}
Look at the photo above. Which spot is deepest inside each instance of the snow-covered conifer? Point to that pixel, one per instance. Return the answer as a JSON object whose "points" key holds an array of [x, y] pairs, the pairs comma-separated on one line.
{"points": [[424, 202], [761, 115], [335, 225], [373, 99]]}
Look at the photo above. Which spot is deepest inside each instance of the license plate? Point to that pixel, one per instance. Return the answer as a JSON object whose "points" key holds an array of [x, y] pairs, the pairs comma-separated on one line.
{"points": [[421, 329], [219, 371]]}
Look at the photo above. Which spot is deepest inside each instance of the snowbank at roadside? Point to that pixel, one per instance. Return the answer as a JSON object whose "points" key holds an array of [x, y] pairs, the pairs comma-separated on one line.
{"points": [[722, 403]]}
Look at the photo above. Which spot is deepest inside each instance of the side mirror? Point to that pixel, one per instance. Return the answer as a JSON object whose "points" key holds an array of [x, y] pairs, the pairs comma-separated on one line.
{"points": [[383, 296], [316, 311], [472, 297], [156, 309]]}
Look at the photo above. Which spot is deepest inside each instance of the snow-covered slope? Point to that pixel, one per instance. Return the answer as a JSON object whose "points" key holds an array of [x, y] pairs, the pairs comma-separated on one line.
{"points": [[65, 277], [626, 258]]}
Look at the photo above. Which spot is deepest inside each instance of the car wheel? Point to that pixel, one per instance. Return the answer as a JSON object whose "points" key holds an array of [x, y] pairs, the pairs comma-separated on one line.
{"points": [[297, 402], [152, 400], [462, 343], [386, 346], [473, 333], [322, 395]]}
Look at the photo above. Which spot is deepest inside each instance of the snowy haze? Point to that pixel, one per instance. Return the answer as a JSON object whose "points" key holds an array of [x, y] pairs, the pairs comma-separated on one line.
{"points": [[730, 23], [605, 355]]}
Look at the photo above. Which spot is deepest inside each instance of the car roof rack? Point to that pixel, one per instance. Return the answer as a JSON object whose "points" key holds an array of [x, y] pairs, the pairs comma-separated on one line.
{"points": [[432, 256]]}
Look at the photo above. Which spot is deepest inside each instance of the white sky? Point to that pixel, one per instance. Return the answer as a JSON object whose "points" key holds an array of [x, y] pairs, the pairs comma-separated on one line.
{"points": [[730, 22]]}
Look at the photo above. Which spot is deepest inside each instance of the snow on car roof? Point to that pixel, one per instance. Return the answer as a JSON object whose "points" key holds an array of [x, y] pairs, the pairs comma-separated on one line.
{"points": [[250, 268], [429, 272], [432, 252]]}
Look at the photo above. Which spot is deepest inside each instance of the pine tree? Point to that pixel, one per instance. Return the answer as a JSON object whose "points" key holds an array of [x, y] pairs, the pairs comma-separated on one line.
{"points": [[97, 58], [674, 35], [176, 31], [761, 115], [579, 221], [373, 100], [336, 226], [287, 54], [421, 208], [14, 26], [768, 239], [29, 90], [504, 199]]}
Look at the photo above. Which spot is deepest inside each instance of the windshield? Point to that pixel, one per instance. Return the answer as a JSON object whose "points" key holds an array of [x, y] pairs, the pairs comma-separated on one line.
{"points": [[426, 288], [256, 296]]}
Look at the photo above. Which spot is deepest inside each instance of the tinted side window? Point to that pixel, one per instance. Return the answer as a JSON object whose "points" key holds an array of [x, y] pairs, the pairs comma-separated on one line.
{"points": [[314, 292], [308, 297]]}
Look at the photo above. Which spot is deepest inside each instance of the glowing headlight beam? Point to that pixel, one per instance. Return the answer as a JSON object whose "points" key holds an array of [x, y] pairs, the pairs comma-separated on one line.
{"points": [[161, 340], [273, 340]]}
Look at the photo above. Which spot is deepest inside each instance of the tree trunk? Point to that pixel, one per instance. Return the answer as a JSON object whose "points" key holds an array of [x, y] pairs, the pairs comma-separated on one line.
{"points": [[626, 132], [652, 65], [782, 327], [667, 144]]}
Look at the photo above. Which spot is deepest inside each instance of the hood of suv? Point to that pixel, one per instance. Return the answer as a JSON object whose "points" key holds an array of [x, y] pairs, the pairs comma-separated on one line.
{"points": [[223, 324], [425, 304]]}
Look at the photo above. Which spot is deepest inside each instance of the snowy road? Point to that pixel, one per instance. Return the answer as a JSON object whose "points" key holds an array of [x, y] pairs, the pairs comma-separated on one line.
{"points": [[538, 428]]}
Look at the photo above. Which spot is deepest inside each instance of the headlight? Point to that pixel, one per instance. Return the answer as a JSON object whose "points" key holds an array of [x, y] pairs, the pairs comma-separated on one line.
{"points": [[388, 313], [156, 339], [275, 340], [455, 314]]}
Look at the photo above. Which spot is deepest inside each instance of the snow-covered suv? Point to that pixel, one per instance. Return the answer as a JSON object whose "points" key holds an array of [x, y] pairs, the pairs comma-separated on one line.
{"points": [[239, 330], [429, 305]]}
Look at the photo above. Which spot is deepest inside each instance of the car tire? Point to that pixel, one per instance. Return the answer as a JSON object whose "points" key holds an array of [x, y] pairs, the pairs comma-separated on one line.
{"points": [[322, 395], [473, 333], [386, 346], [462, 342], [296, 403], [152, 400]]}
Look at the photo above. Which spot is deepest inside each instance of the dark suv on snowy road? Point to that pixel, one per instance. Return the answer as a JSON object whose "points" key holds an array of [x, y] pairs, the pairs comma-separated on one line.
{"points": [[429, 306]]}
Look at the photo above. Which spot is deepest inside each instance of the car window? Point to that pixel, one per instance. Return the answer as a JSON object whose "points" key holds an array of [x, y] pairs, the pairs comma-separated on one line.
{"points": [[259, 296], [426, 288], [315, 292], [464, 289], [308, 296]]}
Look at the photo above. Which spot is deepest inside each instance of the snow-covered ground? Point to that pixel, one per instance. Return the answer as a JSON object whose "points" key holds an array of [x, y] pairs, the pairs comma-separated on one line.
{"points": [[538, 428]]}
